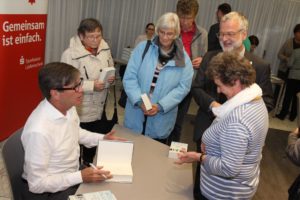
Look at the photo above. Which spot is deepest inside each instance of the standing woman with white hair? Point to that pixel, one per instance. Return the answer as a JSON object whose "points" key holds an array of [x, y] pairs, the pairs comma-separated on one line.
{"points": [[164, 73]]}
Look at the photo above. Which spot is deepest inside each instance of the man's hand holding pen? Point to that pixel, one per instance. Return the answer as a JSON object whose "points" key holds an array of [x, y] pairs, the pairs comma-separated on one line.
{"points": [[95, 174]]}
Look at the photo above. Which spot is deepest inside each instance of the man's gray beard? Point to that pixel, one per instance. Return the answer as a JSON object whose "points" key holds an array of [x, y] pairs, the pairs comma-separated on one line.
{"points": [[232, 48], [227, 49]]}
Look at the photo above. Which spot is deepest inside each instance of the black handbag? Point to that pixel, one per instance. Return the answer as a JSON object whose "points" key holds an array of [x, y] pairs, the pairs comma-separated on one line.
{"points": [[123, 99]]}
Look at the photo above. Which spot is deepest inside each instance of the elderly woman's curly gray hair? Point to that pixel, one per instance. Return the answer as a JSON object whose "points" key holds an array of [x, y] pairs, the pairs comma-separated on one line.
{"points": [[229, 67]]}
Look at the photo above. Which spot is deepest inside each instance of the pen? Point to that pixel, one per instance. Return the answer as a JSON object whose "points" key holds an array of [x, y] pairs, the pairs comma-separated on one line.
{"points": [[94, 167]]}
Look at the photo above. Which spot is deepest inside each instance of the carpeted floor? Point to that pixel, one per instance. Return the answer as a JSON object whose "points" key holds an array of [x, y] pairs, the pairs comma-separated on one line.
{"points": [[277, 172]]}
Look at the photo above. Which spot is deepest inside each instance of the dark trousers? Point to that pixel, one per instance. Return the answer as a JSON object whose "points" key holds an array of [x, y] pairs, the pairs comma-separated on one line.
{"points": [[163, 141], [283, 76], [62, 195], [197, 189], [183, 108], [290, 96], [203, 121], [89, 153]]}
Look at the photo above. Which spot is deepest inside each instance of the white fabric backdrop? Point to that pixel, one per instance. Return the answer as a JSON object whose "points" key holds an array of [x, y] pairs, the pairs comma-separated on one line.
{"points": [[122, 20]]}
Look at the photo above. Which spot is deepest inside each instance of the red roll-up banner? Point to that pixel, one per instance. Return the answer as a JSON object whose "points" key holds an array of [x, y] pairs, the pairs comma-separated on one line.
{"points": [[22, 54]]}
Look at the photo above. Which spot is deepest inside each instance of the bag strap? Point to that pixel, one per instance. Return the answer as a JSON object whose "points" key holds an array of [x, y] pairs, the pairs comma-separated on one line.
{"points": [[115, 103], [146, 49], [144, 53]]}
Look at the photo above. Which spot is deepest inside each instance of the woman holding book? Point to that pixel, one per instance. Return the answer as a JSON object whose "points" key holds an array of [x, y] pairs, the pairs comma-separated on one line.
{"points": [[232, 146], [163, 71], [89, 53]]}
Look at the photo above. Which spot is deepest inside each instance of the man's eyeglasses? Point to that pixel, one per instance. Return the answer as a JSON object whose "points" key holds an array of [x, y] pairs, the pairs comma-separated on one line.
{"points": [[228, 34], [76, 88]]}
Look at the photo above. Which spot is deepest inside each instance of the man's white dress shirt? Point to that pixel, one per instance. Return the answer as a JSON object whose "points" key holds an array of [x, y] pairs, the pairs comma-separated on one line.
{"points": [[51, 143]]}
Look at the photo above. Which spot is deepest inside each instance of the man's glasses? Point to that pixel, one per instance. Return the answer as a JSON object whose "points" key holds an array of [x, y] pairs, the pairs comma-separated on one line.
{"points": [[228, 34], [76, 88]]}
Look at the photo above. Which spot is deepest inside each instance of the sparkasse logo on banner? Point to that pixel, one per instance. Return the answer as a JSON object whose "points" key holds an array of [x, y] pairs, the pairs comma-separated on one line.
{"points": [[22, 53]]}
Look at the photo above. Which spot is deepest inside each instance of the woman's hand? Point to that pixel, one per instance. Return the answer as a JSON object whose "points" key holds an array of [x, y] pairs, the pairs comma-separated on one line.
{"points": [[187, 157], [153, 111], [98, 85], [196, 62], [111, 79]]}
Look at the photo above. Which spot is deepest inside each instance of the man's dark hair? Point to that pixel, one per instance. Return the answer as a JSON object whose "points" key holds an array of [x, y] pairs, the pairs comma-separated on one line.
{"points": [[187, 7], [254, 40], [224, 8], [297, 28], [56, 75], [229, 67], [89, 25]]}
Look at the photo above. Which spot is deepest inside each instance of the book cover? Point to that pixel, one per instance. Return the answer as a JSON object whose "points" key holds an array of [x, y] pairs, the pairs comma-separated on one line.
{"points": [[102, 195], [105, 73], [175, 148], [116, 157], [146, 101]]}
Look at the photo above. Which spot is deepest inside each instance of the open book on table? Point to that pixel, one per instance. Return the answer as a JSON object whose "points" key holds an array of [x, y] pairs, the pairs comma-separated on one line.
{"points": [[116, 157]]}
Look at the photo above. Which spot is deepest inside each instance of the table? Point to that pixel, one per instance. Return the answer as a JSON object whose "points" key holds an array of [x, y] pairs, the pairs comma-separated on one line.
{"points": [[155, 176]]}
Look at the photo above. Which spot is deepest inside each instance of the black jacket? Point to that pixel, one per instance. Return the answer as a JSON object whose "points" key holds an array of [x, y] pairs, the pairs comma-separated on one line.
{"points": [[213, 40]]}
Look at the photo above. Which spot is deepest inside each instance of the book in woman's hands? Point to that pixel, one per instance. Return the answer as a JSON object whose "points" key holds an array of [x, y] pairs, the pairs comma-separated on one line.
{"points": [[105, 73], [116, 157]]}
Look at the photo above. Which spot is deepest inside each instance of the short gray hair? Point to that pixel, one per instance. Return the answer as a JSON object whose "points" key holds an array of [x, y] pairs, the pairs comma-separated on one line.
{"points": [[237, 16], [168, 20]]}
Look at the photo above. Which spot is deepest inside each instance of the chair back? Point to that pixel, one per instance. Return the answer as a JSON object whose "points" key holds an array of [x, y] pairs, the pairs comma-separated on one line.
{"points": [[13, 155], [126, 53]]}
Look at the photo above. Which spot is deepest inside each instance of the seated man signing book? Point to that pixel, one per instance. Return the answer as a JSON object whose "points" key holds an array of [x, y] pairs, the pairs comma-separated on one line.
{"points": [[52, 135]]}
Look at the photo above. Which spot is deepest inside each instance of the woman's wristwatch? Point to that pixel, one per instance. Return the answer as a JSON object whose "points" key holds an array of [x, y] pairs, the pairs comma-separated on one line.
{"points": [[201, 157]]}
